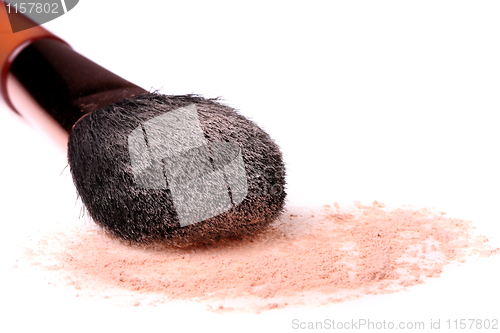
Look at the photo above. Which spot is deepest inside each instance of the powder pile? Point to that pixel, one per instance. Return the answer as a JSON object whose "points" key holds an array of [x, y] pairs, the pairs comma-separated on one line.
{"points": [[311, 256]]}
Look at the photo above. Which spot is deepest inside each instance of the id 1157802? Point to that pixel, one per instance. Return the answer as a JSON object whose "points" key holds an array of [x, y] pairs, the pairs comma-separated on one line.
{"points": [[472, 324], [33, 7]]}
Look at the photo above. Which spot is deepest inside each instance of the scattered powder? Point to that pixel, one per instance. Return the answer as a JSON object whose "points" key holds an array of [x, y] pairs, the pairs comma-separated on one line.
{"points": [[311, 256]]}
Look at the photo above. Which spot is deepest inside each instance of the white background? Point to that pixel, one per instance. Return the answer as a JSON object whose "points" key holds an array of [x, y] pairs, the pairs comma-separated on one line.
{"points": [[392, 101]]}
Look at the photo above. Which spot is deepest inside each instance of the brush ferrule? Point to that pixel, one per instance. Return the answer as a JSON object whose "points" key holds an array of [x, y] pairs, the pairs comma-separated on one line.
{"points": [[66, 84]]}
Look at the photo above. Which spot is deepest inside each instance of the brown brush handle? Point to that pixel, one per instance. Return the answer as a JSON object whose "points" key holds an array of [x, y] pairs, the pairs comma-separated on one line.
{"points": [[12, 43], [64, 83]]}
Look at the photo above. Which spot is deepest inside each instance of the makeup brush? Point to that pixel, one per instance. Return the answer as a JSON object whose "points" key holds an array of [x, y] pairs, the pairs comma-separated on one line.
{"points": [[149, 168]]}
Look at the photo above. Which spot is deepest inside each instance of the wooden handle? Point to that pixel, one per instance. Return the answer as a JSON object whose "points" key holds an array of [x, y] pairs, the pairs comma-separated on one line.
{"points": [[64, 83], [12, 43]]}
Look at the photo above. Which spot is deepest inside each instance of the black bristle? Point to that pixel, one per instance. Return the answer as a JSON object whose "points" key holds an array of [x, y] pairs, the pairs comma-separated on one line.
{"points": [[100, 164]]}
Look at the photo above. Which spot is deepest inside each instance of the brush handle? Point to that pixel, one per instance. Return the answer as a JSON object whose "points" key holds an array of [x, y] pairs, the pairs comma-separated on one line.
{"points": [[63, 82], [12, 43]]}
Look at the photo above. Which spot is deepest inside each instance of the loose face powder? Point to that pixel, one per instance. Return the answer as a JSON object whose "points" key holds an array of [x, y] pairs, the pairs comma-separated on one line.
{"points": [[311, 256]]}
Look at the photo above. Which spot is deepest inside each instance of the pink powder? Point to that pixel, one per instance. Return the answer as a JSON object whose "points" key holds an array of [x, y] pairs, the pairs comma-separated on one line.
{"points": [[311, 256]]}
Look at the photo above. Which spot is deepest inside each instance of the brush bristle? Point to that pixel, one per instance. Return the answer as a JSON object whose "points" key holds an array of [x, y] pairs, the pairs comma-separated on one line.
{"points": [[100, 162]]}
